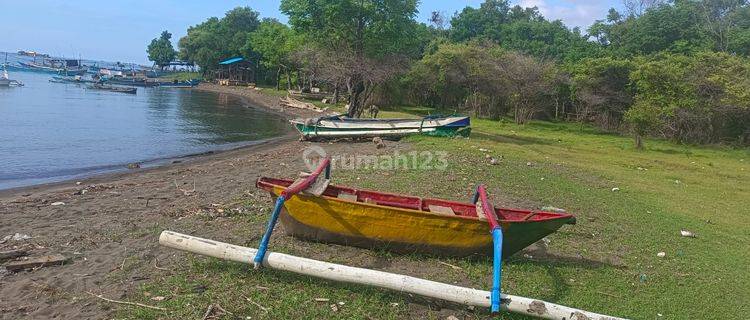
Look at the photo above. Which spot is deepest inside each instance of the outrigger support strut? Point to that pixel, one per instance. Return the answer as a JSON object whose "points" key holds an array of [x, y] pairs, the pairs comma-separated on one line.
{"points": [[290, 191], [497, 246]]}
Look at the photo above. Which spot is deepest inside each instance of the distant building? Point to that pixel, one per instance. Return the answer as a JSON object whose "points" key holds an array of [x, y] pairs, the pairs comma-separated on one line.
{"points": [[236, 71]]}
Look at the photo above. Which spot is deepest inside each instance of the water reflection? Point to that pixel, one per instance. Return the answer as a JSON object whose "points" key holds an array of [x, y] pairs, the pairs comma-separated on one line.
{"points": [[52, 131]]}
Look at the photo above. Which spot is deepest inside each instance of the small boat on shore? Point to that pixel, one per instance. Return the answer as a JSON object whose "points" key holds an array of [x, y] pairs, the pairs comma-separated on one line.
{"points": [[401, 223], [131, 82], [73, 79], [343, 127], [105, 87]]}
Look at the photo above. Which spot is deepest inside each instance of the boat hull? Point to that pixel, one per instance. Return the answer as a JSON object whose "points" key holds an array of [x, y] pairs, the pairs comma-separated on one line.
{"points": [[333, 220], [130, 83], [388, 128], [47, 69]]}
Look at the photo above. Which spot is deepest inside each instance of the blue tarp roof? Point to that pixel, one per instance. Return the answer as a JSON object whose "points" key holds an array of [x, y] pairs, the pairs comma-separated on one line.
{"points": [[232, 60]]}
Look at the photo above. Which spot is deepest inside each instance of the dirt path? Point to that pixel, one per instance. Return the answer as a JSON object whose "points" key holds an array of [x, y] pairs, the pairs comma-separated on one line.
{"points": [[108, 225]]}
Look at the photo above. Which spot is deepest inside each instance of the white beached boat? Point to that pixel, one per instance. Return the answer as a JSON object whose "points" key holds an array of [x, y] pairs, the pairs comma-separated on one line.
{"points": [[343, 127]]}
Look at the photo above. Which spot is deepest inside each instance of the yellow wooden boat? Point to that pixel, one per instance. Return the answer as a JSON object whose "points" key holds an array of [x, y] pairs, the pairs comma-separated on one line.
{"points": [[405, 223]]}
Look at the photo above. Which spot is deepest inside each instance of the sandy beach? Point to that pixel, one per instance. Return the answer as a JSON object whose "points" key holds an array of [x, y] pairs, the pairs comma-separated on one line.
{"points": [[108, 226]]}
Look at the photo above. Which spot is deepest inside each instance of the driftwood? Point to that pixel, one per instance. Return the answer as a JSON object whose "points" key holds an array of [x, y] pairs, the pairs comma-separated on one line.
{"points": [[294, 103], [126, 302], [375, 278], [12, 254], [308, 95], [36, 262]]}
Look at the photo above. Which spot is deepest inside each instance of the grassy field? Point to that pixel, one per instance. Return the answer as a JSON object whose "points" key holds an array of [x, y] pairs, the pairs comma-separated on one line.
{"points": [[607, 263]]}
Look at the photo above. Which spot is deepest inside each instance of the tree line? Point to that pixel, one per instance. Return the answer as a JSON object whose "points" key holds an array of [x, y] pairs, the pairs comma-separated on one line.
{"points": [[674, 69]]}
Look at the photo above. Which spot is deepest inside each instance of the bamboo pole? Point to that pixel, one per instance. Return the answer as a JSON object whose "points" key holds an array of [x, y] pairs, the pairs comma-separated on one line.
{"points": [[402, 283]]}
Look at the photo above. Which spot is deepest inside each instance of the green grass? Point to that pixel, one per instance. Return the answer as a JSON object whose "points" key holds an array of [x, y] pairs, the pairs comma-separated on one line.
{"points": [[242, 291], [612, 251], [271, 91], [181, 76], [607, 263]]}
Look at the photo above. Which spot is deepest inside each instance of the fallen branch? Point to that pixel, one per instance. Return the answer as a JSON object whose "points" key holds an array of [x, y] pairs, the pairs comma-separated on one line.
{"points": [[210, 311], [127, 302], [156, 265], [37, 262], [450, 265], [12, 254], [294, 103], [256, 304], [397, 282]]}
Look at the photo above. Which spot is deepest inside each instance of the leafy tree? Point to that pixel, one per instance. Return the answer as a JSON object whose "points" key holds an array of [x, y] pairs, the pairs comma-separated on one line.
{"points": [[160, 51], [719, 20], [691, 98], [486, 79], [274, 42], [602, 90], [215, 39], [460, 75], [366, 30], [479, 22], [521, 29]]}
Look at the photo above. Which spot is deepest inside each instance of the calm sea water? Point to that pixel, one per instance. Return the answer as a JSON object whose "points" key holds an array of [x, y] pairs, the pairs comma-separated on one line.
{"points": [[53, 132]]}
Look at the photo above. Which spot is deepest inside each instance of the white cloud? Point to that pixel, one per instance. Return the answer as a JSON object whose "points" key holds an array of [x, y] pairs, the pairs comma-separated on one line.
{"points": [[574, 13]]}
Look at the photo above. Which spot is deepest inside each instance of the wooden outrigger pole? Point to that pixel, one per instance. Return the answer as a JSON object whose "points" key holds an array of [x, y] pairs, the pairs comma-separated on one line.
{"points": [[397, 282]]}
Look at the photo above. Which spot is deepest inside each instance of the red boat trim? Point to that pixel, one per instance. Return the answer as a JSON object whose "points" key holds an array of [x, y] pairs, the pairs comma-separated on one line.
{"points": [[462, 210], [294, 189]]}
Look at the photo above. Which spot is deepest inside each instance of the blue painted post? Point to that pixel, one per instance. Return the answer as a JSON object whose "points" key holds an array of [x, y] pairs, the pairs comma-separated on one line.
{"points": [[497, 241], [497, 246], [258, 261]]}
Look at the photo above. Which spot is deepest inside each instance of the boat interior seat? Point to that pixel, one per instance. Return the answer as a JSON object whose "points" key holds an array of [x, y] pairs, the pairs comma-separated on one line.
{"points": [[448, 211], [414, 203]]}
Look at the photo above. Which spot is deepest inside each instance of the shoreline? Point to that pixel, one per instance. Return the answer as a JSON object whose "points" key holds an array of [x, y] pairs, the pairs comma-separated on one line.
{"points": [[94, 178], [108, 225], [248, 99]]}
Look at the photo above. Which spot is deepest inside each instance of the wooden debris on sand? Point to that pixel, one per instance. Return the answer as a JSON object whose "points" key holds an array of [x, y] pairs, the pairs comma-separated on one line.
{"points": [[290, 102], [12, 254], [308, 95], [37, 262], [135, 304], [215, 311]]}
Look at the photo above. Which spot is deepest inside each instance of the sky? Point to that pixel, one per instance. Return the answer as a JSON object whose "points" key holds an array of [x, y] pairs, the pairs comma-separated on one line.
{"points": [[121, 30]]}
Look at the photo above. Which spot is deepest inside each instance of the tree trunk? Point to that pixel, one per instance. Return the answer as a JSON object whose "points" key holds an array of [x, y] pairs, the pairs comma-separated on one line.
{"points": [[278, 78], [638, 141], [288, 79], [336, 94], [356, 100], [557, 108], [299, 80]]}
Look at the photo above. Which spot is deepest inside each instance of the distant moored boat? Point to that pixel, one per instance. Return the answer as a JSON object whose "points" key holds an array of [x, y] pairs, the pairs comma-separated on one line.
{"points": [[5, 80]]}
